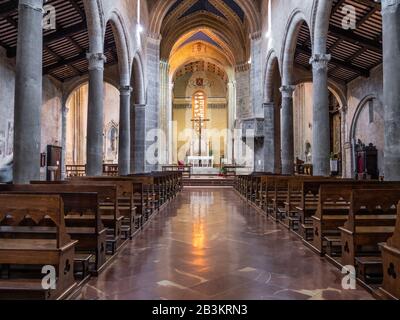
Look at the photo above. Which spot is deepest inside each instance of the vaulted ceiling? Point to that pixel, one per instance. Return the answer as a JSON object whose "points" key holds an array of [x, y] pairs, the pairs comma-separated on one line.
{"points": [[224, 18]]}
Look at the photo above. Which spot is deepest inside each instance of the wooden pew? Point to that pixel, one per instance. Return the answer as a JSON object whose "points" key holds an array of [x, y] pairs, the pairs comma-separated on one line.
{"points": [[311, 195], [333, 211], [125, 199], [372, 219], [279, 196], [391, 263], [23, 254], [82, 217], [108, 207], [289, 213]]}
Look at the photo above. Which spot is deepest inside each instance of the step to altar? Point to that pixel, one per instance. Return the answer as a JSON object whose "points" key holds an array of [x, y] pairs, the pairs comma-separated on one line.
{"points": [[208, 181]]}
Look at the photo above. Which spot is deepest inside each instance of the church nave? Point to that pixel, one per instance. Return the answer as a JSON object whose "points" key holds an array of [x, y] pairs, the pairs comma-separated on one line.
{"points": [[209, 245]]}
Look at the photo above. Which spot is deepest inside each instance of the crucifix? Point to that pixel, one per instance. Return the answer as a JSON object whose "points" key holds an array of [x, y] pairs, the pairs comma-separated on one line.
{"points": [[200, 121]]}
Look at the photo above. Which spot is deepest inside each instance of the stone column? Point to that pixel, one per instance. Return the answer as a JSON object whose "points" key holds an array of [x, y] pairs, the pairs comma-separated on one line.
{"points": [[269, 137], [164, 115], [95, 118], [171, 143], [391, 87], [153, 93], [231, 124], [287, 138], [138, 139], [321, 124], [256, 74], [124, 153], [28, 92], [64, 115], [344, 139]]}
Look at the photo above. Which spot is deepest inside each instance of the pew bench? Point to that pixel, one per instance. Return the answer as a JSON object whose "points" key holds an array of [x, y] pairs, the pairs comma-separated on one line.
{"points": [[390, 288], [369, 269], [29, 255], [372, 220], [82, 215]]}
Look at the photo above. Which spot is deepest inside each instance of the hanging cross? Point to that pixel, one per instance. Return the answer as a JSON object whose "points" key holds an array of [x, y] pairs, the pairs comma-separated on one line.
{"points": [[200, 121]]}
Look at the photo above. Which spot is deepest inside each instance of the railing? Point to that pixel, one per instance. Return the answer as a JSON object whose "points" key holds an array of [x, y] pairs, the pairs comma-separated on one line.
{"points": [[186, 170], [231, 170], [110, 170], [76, 171]]}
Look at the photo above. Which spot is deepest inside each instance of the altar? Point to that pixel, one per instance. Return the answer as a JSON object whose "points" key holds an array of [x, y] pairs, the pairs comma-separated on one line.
{"points": [[201, 161]]}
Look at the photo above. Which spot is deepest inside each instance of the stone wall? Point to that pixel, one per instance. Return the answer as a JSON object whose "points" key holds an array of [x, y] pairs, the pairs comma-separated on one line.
{"points": [[152, 148], [51, 117], [366, 119]]}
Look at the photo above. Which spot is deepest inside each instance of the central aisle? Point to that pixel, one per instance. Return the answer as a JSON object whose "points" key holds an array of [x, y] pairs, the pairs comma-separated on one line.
{"points": [[210, 245]]}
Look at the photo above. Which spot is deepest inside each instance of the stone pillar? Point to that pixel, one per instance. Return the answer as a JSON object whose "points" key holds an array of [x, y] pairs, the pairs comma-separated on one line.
{"points": [[256, 74], [64, 115], [124, 153], [243, 98], [231, 124], [95, 118], [138, 139], [28, 92], [287, 138], [171, 143], [153, 94], [391, 87], [269, 137], [321, 125], [164, 115], [344, 139]]}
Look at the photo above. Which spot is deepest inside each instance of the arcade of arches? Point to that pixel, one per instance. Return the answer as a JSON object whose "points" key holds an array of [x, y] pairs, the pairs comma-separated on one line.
{"points": [[288, 88]]}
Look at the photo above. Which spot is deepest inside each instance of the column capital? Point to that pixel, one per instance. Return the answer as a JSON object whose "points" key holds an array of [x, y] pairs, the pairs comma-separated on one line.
{"points": [[242, 67], [268, 105], [255, 35], [232, 84], [36, 5], [139, 105], [287, 91], [320, 61], [96, 60], [389, 6], [125, 90], [344, 109]]}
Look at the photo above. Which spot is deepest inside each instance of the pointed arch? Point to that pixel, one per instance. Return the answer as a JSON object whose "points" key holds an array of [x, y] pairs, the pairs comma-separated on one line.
{"points": [[123, 48]]}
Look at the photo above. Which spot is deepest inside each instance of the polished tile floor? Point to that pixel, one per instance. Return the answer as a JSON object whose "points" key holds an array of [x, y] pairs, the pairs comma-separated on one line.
{"points": [[210, 245]]}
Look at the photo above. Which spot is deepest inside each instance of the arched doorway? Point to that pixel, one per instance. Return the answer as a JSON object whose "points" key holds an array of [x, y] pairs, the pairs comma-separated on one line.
{"points": [[367, 129]]}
